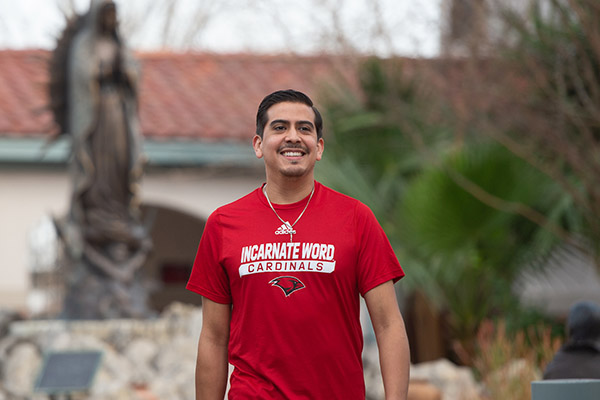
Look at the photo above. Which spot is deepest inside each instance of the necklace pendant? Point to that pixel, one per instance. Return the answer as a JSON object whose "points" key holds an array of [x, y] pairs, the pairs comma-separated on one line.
{"points": [[285, 229], [290, 230], [289, 227]]}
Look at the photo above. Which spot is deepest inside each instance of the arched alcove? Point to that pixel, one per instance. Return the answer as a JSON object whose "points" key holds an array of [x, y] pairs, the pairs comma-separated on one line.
{"points": [[175, 235]]}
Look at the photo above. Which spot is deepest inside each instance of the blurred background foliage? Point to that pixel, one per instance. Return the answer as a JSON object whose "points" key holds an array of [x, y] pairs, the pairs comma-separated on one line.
{"points": [[477, 180]]}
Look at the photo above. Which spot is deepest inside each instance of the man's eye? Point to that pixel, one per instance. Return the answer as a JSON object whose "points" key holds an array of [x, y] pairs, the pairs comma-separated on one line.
{"points": [[279, 127]]}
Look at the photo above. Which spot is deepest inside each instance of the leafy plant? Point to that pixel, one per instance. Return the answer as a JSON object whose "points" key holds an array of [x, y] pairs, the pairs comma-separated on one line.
{"points": [[464, 212]]}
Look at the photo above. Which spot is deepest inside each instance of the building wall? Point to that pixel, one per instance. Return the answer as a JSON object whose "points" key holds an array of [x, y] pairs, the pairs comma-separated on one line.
{"points": [[26, 196], [30, 196]]}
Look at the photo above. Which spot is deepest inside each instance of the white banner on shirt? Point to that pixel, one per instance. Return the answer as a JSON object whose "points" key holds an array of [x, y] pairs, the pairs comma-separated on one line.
{"points": [[258, 267]]}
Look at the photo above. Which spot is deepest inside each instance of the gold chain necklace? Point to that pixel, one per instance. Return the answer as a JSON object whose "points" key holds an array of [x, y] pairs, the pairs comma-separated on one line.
{"points": [[287, 227]]}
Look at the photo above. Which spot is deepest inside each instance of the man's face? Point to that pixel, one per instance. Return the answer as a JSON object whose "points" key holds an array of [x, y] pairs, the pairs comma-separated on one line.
{"points": [[289, 145]]}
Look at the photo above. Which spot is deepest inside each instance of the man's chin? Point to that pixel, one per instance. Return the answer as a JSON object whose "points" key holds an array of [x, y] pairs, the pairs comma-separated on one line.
{"points": [[294, 172]]}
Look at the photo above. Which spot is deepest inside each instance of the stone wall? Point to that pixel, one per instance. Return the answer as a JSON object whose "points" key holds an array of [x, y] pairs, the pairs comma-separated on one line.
{"points": [[155, 359]]}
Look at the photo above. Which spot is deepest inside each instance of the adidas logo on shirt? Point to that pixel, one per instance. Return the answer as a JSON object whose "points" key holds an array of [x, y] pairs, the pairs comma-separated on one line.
{"points": [[285, 229]]}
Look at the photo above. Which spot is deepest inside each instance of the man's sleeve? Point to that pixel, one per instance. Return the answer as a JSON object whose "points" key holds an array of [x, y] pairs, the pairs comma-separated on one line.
{"points": [[209, 277], [377, 262]]}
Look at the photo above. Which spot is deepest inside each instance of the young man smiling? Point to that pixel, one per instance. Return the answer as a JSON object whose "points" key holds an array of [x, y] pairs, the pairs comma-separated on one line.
{"points": [[281, 272]]}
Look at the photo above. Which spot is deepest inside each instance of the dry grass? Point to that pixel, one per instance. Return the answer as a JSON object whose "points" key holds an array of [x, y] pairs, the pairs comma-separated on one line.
{"points": [[507, 365]]}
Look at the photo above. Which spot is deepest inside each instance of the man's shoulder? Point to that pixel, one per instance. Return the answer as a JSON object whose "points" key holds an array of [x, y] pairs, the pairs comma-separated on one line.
{"points": [[334, 194], [340, 199]]}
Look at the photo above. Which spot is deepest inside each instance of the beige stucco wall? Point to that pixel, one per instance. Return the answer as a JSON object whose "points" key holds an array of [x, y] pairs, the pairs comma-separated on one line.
{"points": [[29, 195], [26, 196]]}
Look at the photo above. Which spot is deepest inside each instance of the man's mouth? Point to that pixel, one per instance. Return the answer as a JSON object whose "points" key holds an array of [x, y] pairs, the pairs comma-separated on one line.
{"points": [[294, 153]]}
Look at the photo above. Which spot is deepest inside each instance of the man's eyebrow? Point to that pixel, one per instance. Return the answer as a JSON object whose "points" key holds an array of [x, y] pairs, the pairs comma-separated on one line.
{"points": [[306, 123], [279, 121], [283, 121]]}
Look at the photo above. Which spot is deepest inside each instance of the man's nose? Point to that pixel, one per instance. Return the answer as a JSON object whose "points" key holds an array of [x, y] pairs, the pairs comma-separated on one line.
{"points": [[293, 135]]}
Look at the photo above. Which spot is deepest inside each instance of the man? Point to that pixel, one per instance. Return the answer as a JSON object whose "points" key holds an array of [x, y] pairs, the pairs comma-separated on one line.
{"points": [[281, 271], [579, 358]]}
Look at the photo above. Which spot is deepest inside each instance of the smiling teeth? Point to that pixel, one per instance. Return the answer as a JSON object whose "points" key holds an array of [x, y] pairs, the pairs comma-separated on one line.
{"points": [[292, 154]]}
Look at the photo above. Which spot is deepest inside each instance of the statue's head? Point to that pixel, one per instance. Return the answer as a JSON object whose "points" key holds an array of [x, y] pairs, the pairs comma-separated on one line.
{"points": [[103, 16], [107, 17]]}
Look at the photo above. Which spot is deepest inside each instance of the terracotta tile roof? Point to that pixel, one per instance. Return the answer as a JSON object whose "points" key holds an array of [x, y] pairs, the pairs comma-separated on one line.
{"points": [[182, 96], [22, 93]]}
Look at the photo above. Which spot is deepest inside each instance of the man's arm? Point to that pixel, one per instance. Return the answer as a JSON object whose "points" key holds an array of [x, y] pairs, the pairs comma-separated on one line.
{"points": [[392, 342], [211, 364]]}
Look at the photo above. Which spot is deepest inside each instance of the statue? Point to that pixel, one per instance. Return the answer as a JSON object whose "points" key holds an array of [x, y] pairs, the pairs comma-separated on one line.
{"points": [[93, 94]]}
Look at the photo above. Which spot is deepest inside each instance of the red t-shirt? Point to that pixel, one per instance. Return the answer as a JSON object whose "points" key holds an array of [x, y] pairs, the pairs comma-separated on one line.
{"points": [[295, 330]]}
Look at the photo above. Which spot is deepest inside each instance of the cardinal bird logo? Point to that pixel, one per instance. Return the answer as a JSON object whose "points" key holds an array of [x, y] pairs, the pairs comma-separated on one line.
{"points": [[288, 284]]}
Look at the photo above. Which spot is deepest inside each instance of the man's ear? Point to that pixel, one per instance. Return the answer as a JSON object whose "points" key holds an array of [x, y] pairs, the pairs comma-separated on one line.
{"points": [[320, 149], [257, 145]]}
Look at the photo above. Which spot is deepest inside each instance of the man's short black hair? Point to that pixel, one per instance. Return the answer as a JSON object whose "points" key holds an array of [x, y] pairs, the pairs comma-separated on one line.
{"points": [[280, 96], [583, 323]]}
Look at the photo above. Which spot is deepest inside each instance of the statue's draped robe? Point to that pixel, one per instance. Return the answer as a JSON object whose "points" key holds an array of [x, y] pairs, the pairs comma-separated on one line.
{"points": [[106, 143]]}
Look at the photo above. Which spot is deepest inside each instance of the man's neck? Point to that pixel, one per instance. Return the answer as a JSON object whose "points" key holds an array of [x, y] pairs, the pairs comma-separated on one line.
{"points": [[289, 190]]}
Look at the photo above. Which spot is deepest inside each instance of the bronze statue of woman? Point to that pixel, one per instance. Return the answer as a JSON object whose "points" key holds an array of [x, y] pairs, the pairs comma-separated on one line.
{"points": [[102, 233]]}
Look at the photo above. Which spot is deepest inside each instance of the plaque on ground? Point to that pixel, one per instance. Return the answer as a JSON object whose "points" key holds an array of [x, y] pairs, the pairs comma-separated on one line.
{"points": [[68, 371]]}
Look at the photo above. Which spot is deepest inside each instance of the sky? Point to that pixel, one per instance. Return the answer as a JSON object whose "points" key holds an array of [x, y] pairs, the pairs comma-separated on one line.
{"points": [[402, 27]]}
